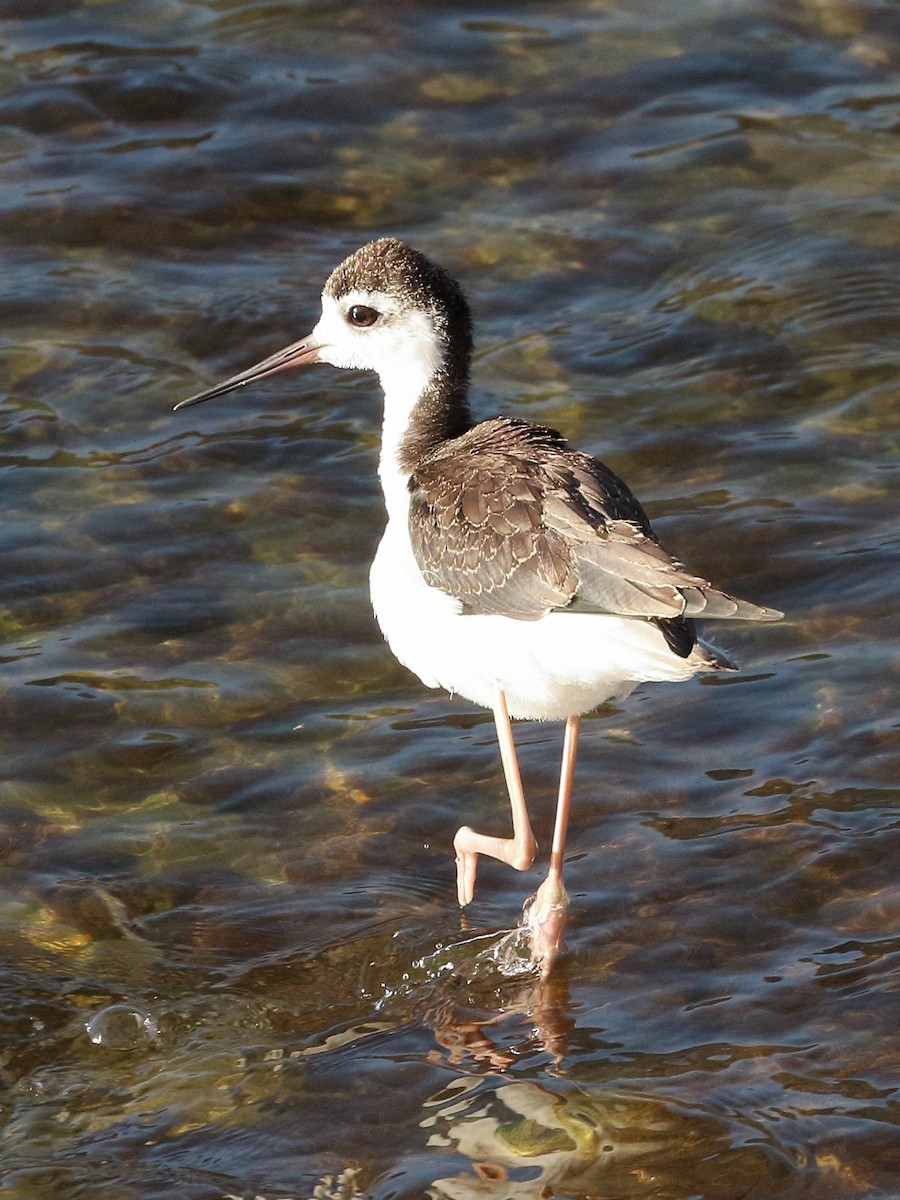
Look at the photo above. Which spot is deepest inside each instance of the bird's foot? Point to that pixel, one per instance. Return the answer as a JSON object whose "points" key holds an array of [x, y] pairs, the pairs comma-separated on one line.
{"points": [[545, 919], [517, 852]]}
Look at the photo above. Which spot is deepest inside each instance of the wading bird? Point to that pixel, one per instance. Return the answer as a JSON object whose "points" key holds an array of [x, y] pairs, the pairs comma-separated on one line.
{"points": [[513, 571]]}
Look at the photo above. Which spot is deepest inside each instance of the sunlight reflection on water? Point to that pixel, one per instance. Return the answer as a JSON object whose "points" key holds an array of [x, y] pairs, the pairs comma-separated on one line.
{"points": [[234, 964]]}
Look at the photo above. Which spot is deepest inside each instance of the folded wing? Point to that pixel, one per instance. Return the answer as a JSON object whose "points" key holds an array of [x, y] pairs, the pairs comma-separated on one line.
{"points": [[509, 520]]}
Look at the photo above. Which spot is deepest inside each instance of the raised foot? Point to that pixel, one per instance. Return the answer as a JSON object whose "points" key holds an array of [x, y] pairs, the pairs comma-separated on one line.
{"points": [[515, 852], [545, 919]]}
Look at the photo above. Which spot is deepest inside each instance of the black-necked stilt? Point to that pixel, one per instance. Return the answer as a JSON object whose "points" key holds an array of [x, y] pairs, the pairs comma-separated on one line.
{"points": [[513, 571]]}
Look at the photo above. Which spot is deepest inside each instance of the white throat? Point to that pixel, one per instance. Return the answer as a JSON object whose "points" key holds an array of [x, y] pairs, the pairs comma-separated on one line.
{"points": [[402, 391], [404, 375], [405, 351]]}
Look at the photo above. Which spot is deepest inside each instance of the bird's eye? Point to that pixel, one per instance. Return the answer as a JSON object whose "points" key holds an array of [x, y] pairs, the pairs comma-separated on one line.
{"points": [[362, 316]]}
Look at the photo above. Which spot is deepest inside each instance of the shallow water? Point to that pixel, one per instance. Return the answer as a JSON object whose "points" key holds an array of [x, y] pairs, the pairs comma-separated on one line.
{"points": [[233, 962]]}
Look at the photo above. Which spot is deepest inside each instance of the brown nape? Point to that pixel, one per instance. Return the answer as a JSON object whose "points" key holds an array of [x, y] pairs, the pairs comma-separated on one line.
{"points": [[441, 414]]}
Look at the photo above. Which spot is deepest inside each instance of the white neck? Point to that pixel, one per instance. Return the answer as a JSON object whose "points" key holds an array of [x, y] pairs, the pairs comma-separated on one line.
{"points": [[400, 398], [403, 380]]}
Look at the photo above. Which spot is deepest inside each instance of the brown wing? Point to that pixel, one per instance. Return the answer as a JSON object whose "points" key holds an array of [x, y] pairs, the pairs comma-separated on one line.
{"points": [[509, 520], [477, 526]]}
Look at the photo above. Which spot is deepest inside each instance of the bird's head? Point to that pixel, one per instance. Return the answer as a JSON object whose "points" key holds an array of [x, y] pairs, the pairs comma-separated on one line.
{"points": [[386, 308]]}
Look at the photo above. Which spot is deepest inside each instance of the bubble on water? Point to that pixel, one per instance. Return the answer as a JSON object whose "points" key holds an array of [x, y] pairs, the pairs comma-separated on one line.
{"points": [[121, 1027]]}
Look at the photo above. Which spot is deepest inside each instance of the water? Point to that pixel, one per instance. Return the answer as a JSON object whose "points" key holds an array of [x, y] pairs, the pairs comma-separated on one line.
{"points": [[233, 962]]}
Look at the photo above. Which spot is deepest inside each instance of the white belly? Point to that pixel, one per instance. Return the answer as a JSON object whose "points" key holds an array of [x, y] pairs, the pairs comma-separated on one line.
{"points": [[560, 665]]}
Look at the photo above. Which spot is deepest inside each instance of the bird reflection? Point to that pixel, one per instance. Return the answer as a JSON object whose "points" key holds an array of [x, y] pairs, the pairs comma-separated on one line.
{"points": [[535, 1018], [480, 993]]}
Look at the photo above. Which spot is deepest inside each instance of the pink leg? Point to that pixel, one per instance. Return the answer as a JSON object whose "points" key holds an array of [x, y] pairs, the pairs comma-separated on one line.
{"points": [[547, 914], [517, 851]]}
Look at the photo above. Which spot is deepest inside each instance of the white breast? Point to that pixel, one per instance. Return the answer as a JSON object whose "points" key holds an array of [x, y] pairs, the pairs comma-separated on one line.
{"points": [[560, 665]]}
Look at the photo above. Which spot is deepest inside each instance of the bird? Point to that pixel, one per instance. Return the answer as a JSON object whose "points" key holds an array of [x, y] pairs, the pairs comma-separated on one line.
{"points": [[514, 571]]}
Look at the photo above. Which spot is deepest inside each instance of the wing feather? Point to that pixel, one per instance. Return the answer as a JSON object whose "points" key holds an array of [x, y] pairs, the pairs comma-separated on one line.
{"points": [[509, 520]]}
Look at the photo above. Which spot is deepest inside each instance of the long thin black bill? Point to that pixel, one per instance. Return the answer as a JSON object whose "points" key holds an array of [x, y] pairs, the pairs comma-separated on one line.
{"points": [[296, 355]]}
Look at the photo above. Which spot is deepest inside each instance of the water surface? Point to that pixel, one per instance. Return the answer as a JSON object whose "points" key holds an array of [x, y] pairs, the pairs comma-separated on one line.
{"points": [[233, 962]]}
